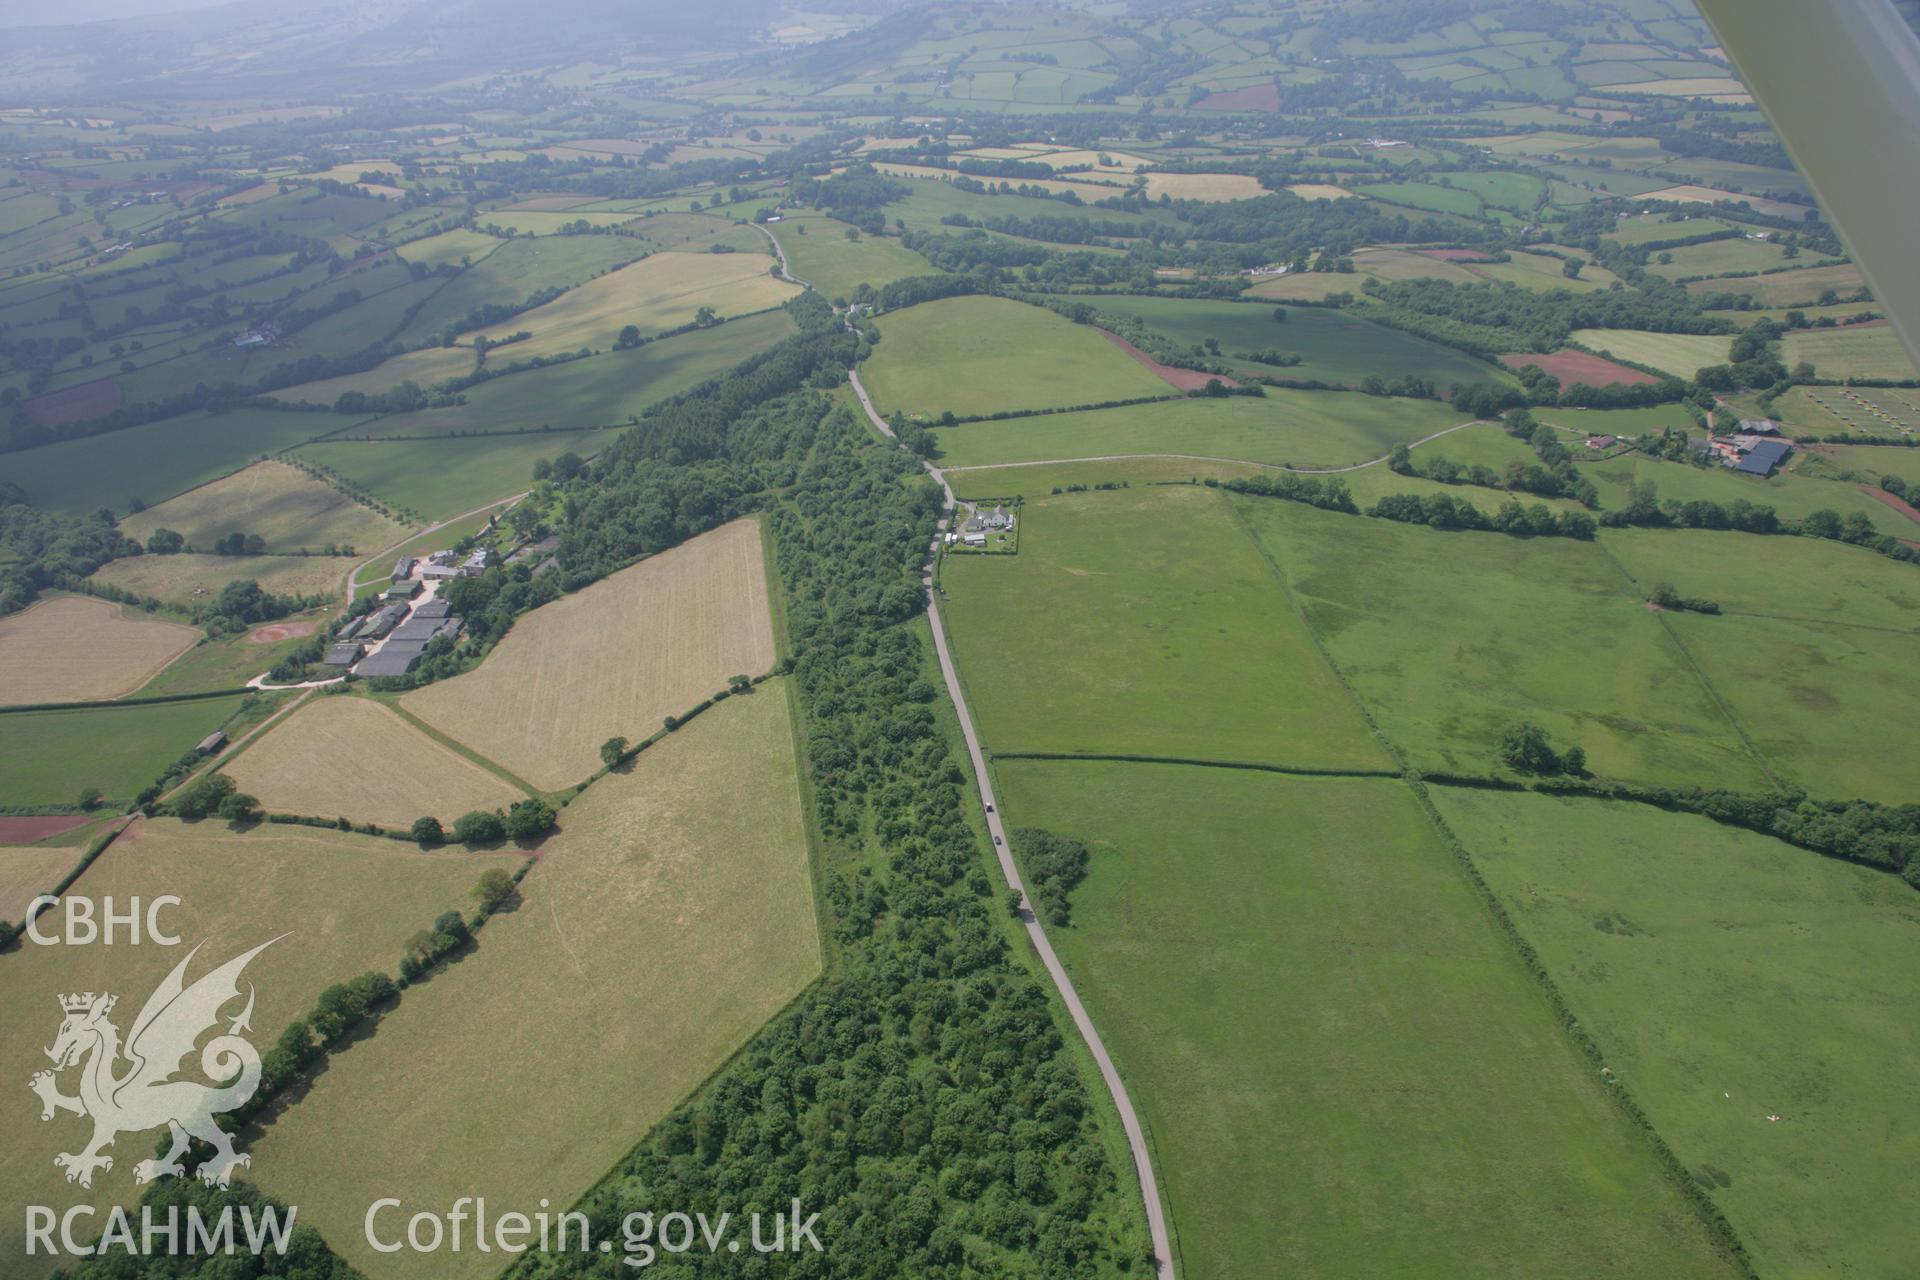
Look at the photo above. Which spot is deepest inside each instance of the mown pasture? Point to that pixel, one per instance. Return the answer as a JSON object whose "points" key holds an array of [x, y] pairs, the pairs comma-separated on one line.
{"points": [[440, 478], [186, 579], [1144, 622], [1718, 258], [1284, 427], [319, 762], [1851, 351], [600, 391], [1333, 346], [1449, 638], [666, 922], [514, 273], [1787, 288], [1730, 978], [346, 904], [48, 757], [1680, 354], [288, 508], [154, 462], [615, 659], [427, 367], [1322, 1027], [819, 252], [79, 649], [978, 355], [657, 293]]}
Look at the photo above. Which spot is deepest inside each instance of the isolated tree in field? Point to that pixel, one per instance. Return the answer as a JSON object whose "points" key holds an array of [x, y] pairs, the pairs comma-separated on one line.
{"points": [[479, 827], [1279, 315], [164, 542], [530, 819], [238, 806], [89, 797], [1525, 749], [1574, 761], [427, 831], [628, 339], [611, 750], [203, 798], [706, 317], [494, 890], [739, 684]]}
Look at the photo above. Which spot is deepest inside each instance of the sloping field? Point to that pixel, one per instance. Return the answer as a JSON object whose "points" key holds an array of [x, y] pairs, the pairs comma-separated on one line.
{"points": [[79, 649], [1144, 622], [1572, 367], [1344, 1069], [186, 579], [280, 503], [649, 642], [347, 903], [427, 367], [976, 355], [1788, 288], [1680, 354], [1851, 351], [667, 922], [657, 293], [1502, 630], [27, 872], [353, 757], [442, 478], [819, 252], [48, 757], [1284, 427], [1732, 978]]}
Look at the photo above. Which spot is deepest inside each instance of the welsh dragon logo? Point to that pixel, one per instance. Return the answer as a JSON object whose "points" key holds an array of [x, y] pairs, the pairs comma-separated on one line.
{"points": [[144, 1095]]}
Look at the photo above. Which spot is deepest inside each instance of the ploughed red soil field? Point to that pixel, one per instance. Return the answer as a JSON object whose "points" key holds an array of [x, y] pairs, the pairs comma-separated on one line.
{"points": [[75, 404], [1255, 97], [25, 829], [1181, 379], [1577, 366], [1901, 505]]}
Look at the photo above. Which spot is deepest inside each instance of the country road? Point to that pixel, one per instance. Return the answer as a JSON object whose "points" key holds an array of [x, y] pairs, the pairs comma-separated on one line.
{"points": [[418, 534], [1036, 935]]}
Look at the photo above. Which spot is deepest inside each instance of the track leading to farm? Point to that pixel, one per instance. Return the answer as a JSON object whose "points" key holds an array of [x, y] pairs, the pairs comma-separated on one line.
{"points": [[1036, 935]]}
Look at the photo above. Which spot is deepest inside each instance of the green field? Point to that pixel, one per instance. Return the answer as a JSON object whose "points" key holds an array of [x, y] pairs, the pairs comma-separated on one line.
{"points": [[1285, 427], [341, 905], [516, 271], [1032, 481], [1792, 495], [1333, 345], [1343, 1067], [1851, 351], [1787, 288], [1448, 638], [1680, 354], [1730, 977], [668, 920], [287, 507], [47, 757], [599, 391], [1422, 195], [1718, 257], [1869, 463], [974, 355], [819, 252], [1799, 579], [440, 478], [152, 463], [1144, 622]]}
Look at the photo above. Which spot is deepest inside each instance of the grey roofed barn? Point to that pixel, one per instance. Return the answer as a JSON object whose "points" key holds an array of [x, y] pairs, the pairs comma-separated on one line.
{"points": [[1763, 458], [344, 654], [396, 658]]}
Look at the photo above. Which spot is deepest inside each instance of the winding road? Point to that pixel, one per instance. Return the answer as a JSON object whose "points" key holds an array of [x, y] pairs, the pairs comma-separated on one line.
{"points": [[1036, 935]]}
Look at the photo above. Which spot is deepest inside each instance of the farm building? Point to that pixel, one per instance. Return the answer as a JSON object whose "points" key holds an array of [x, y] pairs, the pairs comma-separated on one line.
{"points": [[1602, 442], [434, 608], [1763, 458], [973, 539], [439, 572], [402, 590], [476, 563], [212, 743], [344, 654], [396, 658], [350, 629], [1759, 427], [423, 629], [403, 568], [382, 622]]}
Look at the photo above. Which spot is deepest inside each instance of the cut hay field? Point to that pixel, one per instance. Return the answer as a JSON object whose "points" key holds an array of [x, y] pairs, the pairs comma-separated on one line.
{"points": [[352, 757], [1508, 629], [1294, 976], [1718, 257], [975, 355], [1211, 187], [451, 248], [186, 579], [1853, 351], [657, 293], [1334, 346], [277, 501], [428, 367], [154, 462], [615, 659], [441, 478], [47, 757], [1295, 428], [1730, 977], [602, 391], [1680, 354], [819, 252], [669, 919], [1144, 622], [1787, 288], [1874, 411], [79, 649], [27, 871], [348, 903]]}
